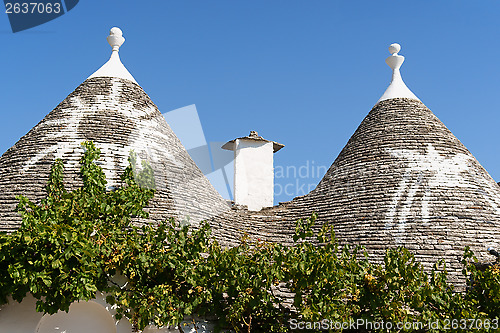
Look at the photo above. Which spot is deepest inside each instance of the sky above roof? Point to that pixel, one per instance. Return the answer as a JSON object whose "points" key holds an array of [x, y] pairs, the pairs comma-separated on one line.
{"points": [[302, 73]]}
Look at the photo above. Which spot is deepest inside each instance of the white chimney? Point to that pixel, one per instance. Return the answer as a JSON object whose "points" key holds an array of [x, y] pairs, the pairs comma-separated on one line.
{"points": [[253, 170]]}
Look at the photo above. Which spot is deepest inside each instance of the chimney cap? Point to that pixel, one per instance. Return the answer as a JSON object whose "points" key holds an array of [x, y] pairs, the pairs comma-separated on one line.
{"points": [[253, 136]]}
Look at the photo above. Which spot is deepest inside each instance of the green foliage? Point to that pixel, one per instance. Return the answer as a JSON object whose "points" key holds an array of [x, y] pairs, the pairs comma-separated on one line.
{"points": [[243, 284], [145, 176], [61, 252], [76, 243], [483, 294], [167, 273]]}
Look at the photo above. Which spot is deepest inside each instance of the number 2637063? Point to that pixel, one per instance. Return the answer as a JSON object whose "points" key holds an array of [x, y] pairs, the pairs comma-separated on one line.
{"points": [[32, 8]]}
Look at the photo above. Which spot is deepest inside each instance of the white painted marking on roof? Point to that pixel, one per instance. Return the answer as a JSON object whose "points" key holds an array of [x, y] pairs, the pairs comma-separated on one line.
{"points": [[405, 211], [114, 66], [68, 128], [425, 205], [397, 88], [395, 200], [432, 171], [59, 150], [146, 140]]}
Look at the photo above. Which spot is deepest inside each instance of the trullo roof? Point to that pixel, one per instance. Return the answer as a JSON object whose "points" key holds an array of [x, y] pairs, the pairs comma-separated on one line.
{"points": [[112, 110], [403, 179]]}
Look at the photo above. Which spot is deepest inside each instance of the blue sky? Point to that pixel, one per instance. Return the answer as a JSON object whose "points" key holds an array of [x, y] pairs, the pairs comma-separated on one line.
{"points": [[303, 73]]}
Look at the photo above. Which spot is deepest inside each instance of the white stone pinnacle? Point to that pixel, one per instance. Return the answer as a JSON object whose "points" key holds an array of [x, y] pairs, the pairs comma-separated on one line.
{"points": [[393, 48], [115, 38], [114, 67], [397, 88]]}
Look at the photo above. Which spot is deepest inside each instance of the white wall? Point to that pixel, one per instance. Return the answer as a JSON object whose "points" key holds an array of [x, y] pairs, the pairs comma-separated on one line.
{"points": [[95, 316], [19, 317], [83, 317], [253, 174]]}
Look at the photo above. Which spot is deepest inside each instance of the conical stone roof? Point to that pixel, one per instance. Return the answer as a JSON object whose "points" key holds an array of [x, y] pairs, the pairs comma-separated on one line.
{"points": [[403, 179], [118, 116]]}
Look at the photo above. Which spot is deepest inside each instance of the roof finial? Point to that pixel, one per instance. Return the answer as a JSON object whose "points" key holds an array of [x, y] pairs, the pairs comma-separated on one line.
{"points": [[114, 67], [115, 38], [394, 48], [397, 88], [395, 60]]}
